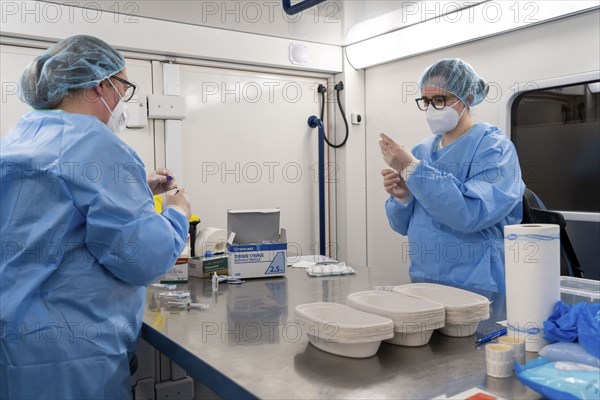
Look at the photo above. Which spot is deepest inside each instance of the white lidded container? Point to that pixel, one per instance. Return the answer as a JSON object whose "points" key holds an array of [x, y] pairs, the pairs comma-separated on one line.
{"points": [[414, 318], [342, 330], [464, 309]]}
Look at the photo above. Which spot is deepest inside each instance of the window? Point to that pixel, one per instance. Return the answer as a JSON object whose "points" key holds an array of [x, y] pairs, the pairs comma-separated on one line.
{"points": [[556, 132]]}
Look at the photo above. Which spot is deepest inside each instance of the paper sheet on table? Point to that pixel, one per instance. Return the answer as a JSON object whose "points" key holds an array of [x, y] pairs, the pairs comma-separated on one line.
{"points": [[303, 264], [329, 270], [307, 261]]}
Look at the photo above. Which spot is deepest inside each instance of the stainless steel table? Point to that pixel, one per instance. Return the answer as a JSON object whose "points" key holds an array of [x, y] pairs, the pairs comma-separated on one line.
{"points": [[248, 345]]}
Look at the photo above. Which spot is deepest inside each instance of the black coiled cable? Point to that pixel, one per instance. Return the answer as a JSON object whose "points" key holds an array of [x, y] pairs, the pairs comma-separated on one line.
{"points": [[322, 89]]}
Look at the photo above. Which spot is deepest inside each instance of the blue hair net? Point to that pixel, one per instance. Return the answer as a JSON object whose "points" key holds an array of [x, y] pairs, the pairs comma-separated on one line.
{"points": [[77, 62], [457, 77]]}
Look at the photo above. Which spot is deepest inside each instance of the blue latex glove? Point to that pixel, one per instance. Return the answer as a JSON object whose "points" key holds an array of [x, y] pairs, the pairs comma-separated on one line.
{"points": [[561, 325], [580, 322]]}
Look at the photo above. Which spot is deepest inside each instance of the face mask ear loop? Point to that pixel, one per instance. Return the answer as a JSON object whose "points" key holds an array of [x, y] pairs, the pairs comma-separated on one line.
{"points": [[105, 105], [118, 94], [463, 111], [454, 105], [114, 87]]}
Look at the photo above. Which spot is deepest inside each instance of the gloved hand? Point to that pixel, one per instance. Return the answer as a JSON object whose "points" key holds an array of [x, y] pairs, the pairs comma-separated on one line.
{"points": [[159, 181], [179, 199], [394, 184], [395, 155]]}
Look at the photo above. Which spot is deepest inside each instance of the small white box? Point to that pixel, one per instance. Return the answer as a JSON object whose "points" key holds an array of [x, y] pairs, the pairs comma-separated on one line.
{"points": [[137, 113], [260, 260], [178, 272]]}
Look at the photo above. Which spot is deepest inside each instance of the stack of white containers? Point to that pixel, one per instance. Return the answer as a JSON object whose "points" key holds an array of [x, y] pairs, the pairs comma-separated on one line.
{"points": [[406, 316], [464, 309], [414, 318], [343, 330]]}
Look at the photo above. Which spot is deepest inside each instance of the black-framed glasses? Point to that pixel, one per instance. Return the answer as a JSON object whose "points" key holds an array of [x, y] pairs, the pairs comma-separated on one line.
{"points": [[130, 88], [438, 102]]}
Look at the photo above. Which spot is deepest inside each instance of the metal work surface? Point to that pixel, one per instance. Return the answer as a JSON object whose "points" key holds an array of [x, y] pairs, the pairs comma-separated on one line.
{"points": [[248, 344]]}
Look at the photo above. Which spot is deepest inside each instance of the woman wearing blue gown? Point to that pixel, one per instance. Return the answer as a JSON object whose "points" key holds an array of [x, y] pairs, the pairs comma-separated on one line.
{"points": [[80, 237], [457, 189]]}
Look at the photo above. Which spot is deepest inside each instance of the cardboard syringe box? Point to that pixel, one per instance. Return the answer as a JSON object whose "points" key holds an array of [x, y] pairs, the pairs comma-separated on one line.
{"points": [[259, 260]]}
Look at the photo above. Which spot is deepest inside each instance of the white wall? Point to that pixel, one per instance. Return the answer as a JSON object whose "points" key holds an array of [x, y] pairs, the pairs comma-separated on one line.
{"points": [[553, 49], [350, 162], [12, 63], [320, 24], [52, 22]]}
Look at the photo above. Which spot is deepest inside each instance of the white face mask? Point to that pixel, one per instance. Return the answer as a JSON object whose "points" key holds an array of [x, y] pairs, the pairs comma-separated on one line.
{"points": [[118, 116], [442, 121]]}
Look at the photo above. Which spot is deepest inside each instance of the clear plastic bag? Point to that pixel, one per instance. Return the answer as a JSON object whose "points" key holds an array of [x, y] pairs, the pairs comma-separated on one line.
{"points": [[560, 379], [573, 352]]}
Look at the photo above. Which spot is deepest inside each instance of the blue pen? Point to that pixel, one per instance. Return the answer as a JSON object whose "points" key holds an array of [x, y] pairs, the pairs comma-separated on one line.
{"points": [[491, 336]]}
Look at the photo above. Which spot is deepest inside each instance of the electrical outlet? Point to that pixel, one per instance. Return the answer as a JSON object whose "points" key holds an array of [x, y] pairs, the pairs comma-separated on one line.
{"points": [[356, 119]]}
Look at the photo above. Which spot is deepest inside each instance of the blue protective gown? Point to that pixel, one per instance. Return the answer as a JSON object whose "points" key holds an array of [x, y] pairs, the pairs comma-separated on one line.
{"points": [[80, 241], [463, 196]]}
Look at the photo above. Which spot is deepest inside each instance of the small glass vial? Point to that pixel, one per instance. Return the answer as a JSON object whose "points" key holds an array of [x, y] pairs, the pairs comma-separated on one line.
{"points": [[215, 282]]}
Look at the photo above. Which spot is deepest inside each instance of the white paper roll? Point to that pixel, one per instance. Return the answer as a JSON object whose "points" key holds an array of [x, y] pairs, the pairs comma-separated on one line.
{"points": [[210, 239], [518, 347], [532, 259], [499, 360]]}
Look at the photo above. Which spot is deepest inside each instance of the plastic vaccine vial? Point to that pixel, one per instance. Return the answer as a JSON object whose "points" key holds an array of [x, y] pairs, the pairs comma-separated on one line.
{"points": [[215, 282], [186, 250]]}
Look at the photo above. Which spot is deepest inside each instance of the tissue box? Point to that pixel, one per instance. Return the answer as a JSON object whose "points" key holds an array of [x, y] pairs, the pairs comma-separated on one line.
{"points": [[204, 267], [259, 260], [178, 272]]}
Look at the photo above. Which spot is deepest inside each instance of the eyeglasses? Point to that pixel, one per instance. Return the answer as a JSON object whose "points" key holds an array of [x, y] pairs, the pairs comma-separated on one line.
{"points": [[438, 102], [130, 88]]}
